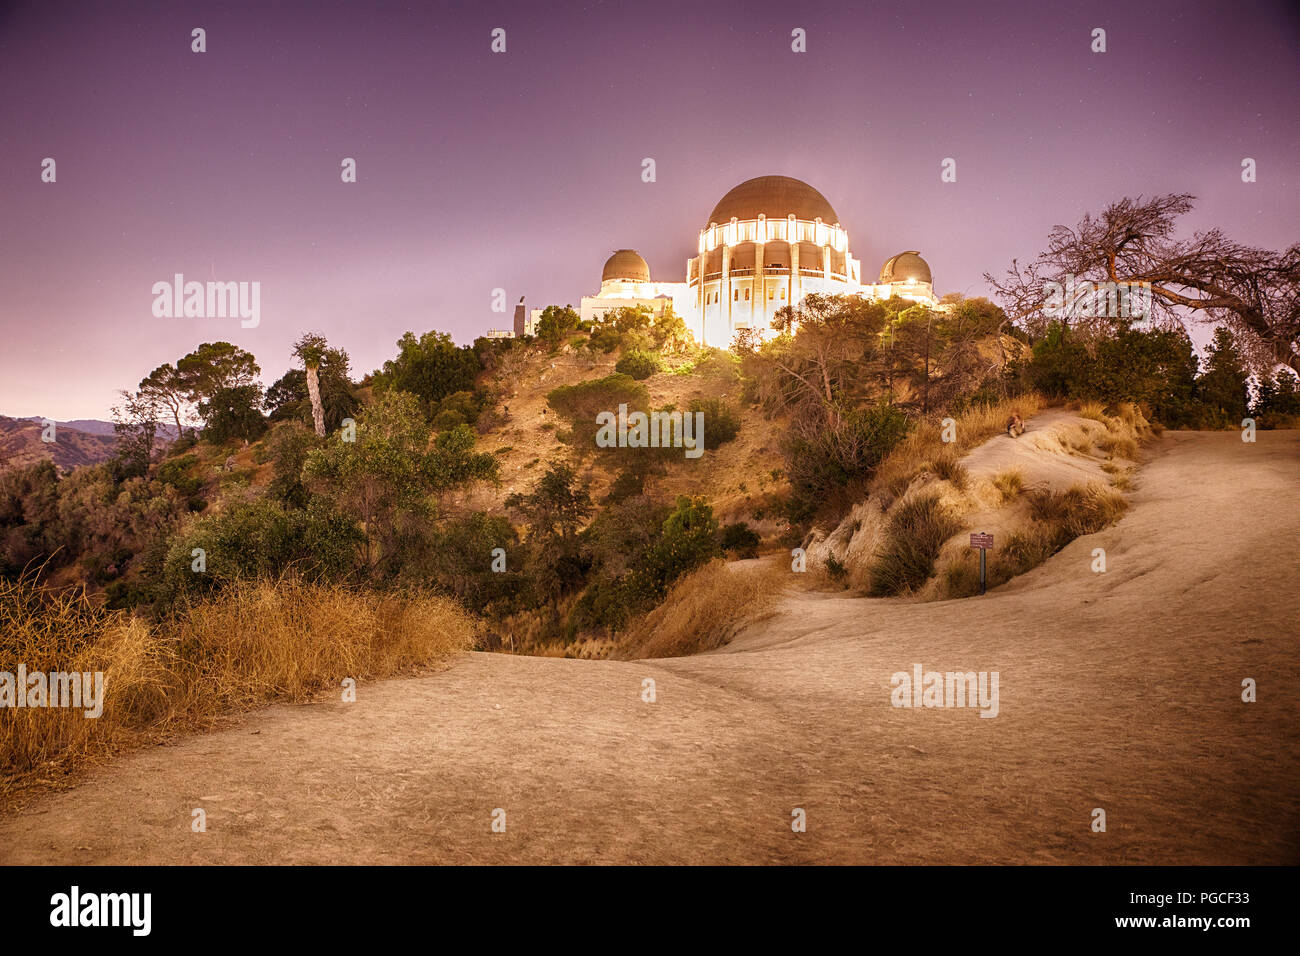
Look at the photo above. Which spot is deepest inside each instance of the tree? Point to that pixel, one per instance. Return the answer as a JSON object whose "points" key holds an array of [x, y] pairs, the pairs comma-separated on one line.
{"points": [[689, 539], [554, 511], [167, 387], [219, 368], [823, 356], [555, 323], [385, 477], [310, 349], [29, 516], [233, 413], [669, 331], [1222, 389], [430, 368], [1277, 395], [288, 397], [135, 423], [1255, 292], [288, 446], [557, 506], [1154, 367], [214, 366]]}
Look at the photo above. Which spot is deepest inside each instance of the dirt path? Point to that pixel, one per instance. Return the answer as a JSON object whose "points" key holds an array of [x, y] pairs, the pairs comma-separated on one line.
{"points": [[1118, 690]]}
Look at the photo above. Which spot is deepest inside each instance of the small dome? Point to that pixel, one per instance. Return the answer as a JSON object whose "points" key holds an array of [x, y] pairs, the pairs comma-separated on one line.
{"points": [[775, 197], [904, 266], [626, 264]]}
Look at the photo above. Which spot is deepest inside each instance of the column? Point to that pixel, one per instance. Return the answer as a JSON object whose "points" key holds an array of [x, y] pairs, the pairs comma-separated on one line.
{"points": [[793, 236], [726, 285], [700, 265]]}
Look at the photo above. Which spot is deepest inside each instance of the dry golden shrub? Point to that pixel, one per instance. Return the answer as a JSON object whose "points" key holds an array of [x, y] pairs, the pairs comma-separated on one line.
{"points": [[253, 644], [705, 610]]}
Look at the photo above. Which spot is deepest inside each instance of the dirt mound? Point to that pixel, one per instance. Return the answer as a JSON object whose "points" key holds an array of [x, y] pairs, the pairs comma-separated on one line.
{"points": [[988, 489]]}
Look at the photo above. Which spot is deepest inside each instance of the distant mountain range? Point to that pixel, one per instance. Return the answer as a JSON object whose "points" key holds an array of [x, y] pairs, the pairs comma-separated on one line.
{"points": [[82, 441], [91, 426]]}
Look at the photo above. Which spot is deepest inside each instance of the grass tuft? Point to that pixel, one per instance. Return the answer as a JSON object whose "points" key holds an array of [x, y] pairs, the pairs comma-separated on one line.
{"points": [[1010, 484], [917, 530]]}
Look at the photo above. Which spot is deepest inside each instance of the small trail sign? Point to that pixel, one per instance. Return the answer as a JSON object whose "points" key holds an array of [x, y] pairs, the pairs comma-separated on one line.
{"points": [[984, 542]]}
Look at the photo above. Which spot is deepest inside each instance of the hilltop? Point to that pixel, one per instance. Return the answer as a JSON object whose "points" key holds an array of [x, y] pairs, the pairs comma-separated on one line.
{"points": [[21, 444]]}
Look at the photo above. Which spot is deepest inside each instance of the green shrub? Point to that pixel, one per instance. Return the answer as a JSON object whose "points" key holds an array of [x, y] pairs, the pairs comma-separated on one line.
{"points": [[740, 539], [581, 403], [459, 557], [177, 473], [721, 422], [628, 484], [689, 539], [261, 539], [836, 568], [638, 364]]}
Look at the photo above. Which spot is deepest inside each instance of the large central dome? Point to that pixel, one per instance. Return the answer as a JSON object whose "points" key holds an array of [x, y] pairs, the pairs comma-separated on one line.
{"points": [[775, 197]]}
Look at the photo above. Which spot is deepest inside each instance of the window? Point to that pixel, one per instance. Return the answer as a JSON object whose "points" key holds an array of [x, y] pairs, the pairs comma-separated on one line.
{"points": [[746, 295], [735, 296], [770, 291], [783, 294]]}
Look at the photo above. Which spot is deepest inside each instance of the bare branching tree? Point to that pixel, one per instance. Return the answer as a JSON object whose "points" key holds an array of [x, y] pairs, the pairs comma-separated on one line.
{"points": [[826, 361], [1207, 277]]}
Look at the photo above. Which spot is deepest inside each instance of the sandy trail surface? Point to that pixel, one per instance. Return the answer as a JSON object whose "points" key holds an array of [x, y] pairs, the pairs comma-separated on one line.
{"points": [[1119, 691]]}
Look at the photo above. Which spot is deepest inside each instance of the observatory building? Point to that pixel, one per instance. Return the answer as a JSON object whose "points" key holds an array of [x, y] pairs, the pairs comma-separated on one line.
{"points": [[766, 244]]}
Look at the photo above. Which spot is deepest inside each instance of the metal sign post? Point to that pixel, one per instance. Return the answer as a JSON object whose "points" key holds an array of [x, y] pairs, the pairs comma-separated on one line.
{"points": [[984, 542]]}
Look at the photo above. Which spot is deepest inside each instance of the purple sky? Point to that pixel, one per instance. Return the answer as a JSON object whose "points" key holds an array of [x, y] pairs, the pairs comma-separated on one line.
{"points": [[522, 170]]}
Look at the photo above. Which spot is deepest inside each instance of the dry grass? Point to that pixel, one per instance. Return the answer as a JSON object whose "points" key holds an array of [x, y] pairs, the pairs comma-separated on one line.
{"points": [[946, 467], [1080, 510], [924, 447], [705, 610], [1119, 446], [1056, 519], [1009, 484], [1077, 439], [255, 644], [1094, 410], [918, 529], [1022, 551]]}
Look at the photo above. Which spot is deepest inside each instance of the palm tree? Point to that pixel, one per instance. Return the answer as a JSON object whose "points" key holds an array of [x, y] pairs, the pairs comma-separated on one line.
{"points": [[311, 349]]}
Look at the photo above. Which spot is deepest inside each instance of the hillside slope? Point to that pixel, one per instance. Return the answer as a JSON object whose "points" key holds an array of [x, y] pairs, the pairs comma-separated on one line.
{"points": [[1118, 690], [736, 477], [21, 445]]}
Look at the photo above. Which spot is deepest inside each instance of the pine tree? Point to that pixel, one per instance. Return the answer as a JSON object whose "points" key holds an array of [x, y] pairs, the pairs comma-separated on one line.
{"points": [[1222, 389]]}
